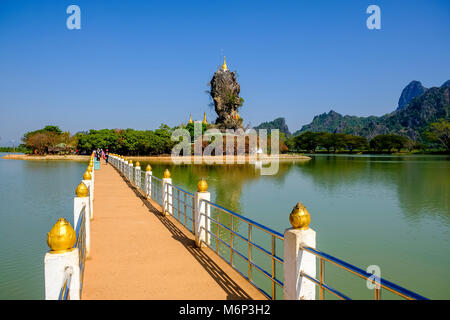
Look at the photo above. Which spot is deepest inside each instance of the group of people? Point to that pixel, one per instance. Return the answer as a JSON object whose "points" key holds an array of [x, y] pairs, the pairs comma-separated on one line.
{"points": [[100, 154]]}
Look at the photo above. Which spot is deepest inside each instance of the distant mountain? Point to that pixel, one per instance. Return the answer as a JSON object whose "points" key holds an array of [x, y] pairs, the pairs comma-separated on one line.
{"points": [[409, 121], [278, 123], [412, 90], [446, 84]]}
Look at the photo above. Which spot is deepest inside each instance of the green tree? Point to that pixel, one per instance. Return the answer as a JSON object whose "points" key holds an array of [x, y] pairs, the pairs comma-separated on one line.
{"points": [[354, 142], [307, 141], [439, 132], [388, 142]]}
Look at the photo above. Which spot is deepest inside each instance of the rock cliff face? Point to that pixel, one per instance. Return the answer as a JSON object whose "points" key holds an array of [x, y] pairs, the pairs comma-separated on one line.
{"points": [[412, 90], [225, 94], [279, 123]]}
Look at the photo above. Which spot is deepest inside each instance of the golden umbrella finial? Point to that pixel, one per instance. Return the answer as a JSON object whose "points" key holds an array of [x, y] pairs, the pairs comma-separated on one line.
{"points": [[299, 217], [224, 66], [61, 237]]}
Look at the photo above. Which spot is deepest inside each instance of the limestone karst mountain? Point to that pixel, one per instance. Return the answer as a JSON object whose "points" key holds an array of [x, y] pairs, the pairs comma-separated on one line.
{"points": [[410, 121]]}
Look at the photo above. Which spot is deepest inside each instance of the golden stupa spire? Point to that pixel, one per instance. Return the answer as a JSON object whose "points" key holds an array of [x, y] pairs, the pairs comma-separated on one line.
{"points": [[190, 119], [224, 66], [204, 118]]}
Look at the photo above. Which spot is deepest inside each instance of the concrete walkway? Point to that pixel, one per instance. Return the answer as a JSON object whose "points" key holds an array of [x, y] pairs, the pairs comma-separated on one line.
{"points": [[139, 254]]}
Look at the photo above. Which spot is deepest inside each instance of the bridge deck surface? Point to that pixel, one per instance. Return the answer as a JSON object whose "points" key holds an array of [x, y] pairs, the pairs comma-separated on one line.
{"points": [[139, 254]]}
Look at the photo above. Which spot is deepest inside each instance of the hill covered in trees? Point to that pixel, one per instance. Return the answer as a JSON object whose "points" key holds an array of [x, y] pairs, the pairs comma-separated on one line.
{"points": [[410, 121]]}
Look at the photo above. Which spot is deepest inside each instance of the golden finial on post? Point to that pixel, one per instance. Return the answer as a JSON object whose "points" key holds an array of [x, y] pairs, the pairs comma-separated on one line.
{"points": [[137, 164], [166, 174], [148, 168], [82, 191], [130, 161], [299, 217], [61, 237], [202, 185], [87, 175]]}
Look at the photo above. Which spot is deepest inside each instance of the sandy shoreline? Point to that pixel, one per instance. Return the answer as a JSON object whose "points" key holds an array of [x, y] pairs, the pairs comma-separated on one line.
{"points": [[162, 159]]}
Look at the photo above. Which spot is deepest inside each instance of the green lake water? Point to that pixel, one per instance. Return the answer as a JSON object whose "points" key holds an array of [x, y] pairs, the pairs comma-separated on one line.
{"points": [[389, 211]]}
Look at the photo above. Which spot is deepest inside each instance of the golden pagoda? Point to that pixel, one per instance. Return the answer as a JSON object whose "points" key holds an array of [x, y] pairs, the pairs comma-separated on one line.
{"points": [[204, 118], [190, 119], [224, 66]]}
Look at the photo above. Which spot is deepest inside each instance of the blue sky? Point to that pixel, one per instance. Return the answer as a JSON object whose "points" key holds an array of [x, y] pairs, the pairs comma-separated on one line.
{"points": [[136, 64]]}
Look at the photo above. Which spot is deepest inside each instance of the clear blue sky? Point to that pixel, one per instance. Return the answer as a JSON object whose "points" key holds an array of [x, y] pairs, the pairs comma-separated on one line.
{"points": [[135, 64]]}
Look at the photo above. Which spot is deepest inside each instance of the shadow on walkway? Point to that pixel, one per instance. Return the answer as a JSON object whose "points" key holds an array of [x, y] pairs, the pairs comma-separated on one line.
{"points": [[230, 287]]}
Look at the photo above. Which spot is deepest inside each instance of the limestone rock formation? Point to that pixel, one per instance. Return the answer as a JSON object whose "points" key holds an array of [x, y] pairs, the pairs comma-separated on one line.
{"points": [[412, 90], [225, 94]]}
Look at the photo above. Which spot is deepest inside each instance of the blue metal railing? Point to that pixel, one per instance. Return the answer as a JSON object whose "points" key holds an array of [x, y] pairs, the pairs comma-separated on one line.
{"points": [[378, 281], [271, 275], [177, 202]]}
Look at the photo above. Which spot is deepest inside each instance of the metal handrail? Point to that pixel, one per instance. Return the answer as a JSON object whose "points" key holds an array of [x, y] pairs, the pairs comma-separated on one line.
{"points": [[378, 281], [81, 243], [274, 234], [64, 293], [185, 204]]}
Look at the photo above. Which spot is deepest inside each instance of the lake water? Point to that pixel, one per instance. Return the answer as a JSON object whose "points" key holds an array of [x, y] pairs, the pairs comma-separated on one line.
{"points": [[389, 211]]}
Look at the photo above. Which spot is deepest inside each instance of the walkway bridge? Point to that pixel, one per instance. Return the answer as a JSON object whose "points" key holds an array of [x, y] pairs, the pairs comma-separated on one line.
{"points": [[138, 236]]}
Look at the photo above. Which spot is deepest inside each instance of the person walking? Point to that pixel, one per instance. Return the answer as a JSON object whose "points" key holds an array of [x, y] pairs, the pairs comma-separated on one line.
{"points": [[106, 156]]}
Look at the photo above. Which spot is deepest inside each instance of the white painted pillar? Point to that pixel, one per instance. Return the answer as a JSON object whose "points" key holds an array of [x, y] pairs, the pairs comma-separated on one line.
{"points": [[90, 185], [130, 172], [148, 183], [201, 211], [137, 177], [55, 265], [167, 195], [78, 203], [296, 261], [91, 191]]}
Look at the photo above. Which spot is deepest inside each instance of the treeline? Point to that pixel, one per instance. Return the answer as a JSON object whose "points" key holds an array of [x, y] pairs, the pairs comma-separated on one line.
{"points": [[336, 142], [435, 137], [51, 139], [20, 148], [128, 141]]}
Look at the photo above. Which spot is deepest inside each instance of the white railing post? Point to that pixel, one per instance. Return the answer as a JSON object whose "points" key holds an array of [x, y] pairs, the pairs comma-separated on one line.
{"points": [[201, 212], [83, 199], [167, 193], [296, 260], [137, 175], [62, 255], [148, 181], [130, 171], [90, 185]]}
